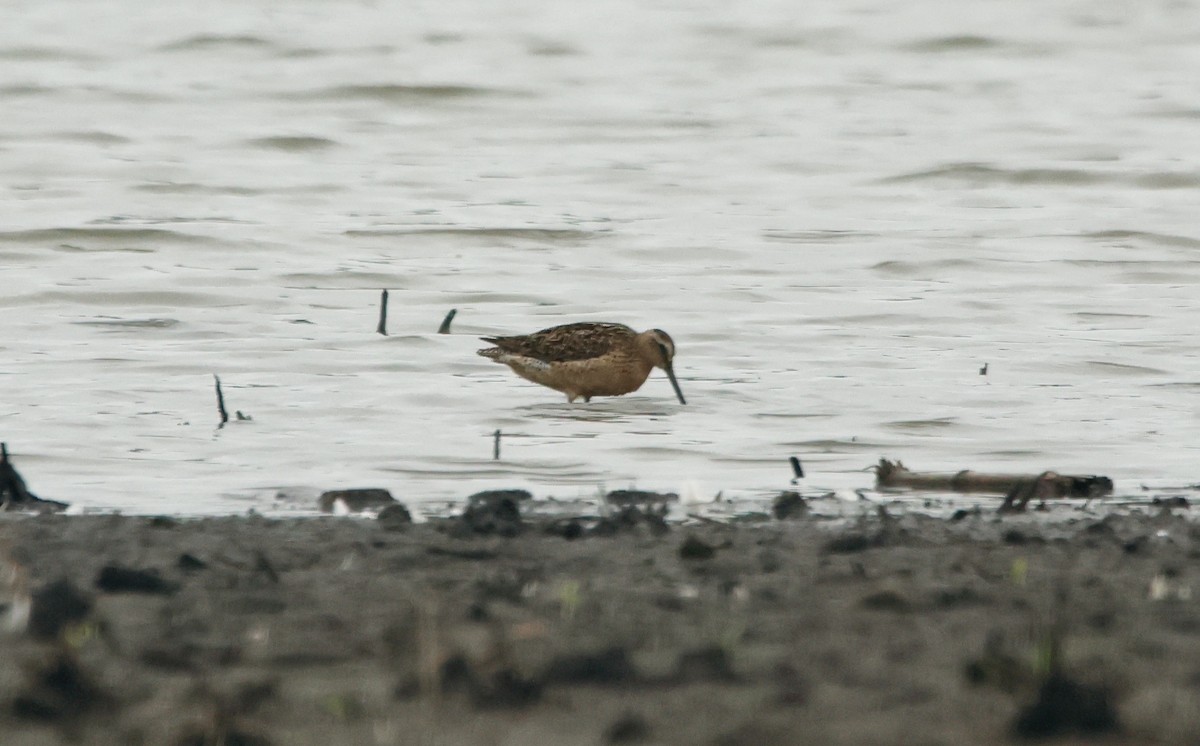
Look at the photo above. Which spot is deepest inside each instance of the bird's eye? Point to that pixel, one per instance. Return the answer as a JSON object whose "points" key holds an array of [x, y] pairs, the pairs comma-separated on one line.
{"points": [[663, 349]]}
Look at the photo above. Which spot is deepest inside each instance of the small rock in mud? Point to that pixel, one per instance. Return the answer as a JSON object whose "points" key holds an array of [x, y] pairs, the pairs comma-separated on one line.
{"points": [[958, 597], [793, 689], [503, 688], [491, 496], [394, 517], [229, 737], [696, 549], [1136, 544], [849, 543], [494, 512], [629, 519], [57, 689], [228, 707], [507, 688], [789, 504], [355, 500], [190, 563], [886, 601], [117, 579], [474, 555], [611, 666], [769, 561], [1064, 706], [639, 497], [1176, 501], [1014, 537], [56, 606], [998, 668], [629, 728], [568, 529], [705, 664], [1103, 527], [963, 513]]}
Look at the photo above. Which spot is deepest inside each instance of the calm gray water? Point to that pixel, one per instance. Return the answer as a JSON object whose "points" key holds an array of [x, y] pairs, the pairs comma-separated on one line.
{"points": [[840, 211]]}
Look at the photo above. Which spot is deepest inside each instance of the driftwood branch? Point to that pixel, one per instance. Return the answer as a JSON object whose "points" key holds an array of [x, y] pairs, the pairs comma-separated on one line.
{"points": [[13, 492], [1018, 489], [12, 486], [445, 327]]}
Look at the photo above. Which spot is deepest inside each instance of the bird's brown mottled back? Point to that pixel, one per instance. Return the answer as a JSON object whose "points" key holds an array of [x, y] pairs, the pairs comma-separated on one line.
{"points": [[581, 341]]}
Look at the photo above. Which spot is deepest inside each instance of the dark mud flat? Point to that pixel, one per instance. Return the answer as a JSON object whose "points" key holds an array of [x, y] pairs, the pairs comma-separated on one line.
{"points": [[342, 631]]}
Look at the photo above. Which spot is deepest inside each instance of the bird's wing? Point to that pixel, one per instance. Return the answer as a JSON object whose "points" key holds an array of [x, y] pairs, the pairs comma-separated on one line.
{"points": [[581, 341]]}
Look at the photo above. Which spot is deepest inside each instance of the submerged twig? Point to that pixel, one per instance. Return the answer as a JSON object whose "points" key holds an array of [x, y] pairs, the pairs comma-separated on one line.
{"points": [[496, 446], [445, 327], [221, 402], [383, 301], [797, 469]]}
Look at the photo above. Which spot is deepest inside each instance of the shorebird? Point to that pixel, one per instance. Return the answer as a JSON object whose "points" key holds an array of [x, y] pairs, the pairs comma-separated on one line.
{"points": [[587, 359]]}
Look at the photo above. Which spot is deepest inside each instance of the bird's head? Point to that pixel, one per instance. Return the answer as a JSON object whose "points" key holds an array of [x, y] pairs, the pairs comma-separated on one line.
{"points": [[659, 349]]}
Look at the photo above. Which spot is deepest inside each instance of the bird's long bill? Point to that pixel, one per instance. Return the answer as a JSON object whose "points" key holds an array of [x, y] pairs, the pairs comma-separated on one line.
{"points": [[675, 384]]}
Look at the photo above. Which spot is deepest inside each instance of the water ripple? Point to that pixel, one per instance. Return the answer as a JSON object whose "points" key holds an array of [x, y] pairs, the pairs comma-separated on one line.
{"points": [[173, 187], [980, 174], [397, 93], [1127, 237], [826, 236], [21, 90], [45, 54], [217, 43], [966, 42], [540, 235], [101, 239], [937, 422], [131, 323], [292, 143], [1124, 369], [94, 137]]}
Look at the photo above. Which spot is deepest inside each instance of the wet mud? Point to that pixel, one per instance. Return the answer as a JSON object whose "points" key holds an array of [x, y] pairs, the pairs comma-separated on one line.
{"points": [[493, 628]]}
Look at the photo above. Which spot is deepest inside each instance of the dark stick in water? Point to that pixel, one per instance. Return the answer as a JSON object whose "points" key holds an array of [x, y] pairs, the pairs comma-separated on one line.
{"points": [[221, 402], [797, 469], [496, 446], [445, 327], [382, 328]]}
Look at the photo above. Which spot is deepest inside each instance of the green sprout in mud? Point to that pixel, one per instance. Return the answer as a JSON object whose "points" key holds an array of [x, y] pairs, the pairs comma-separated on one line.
{"points": [[1020, 571], [1044, 657], [343, 707], [570, 596], [77, 635]]}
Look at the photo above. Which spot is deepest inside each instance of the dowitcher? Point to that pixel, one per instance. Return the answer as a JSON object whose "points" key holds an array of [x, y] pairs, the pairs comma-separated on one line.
{"points": [[587, 359]]}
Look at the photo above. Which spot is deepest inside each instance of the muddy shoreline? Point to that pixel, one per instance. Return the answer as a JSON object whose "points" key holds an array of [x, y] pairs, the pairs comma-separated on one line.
{"points": [[911, 629]]}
